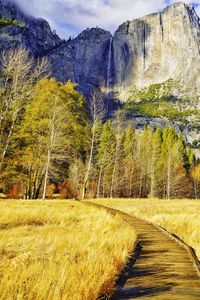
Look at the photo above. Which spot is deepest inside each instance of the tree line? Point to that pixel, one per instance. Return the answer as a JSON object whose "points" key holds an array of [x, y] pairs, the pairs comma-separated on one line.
{"points": [[54, 143], [144, 164]]}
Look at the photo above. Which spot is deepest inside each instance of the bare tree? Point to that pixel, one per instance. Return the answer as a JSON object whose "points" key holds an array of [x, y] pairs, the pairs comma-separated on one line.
{"points": [[118, 152], [97, 114], [20, 73], [50, 147], [102, 165]]}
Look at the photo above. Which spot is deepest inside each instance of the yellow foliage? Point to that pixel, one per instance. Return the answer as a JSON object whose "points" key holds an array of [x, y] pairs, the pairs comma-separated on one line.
{"points": [[196, 173]]}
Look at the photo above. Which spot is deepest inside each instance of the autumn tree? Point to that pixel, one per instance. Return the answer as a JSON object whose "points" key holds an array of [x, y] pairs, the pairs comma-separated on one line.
{"points": [[53, 128], [195, 172], [19, 73]]}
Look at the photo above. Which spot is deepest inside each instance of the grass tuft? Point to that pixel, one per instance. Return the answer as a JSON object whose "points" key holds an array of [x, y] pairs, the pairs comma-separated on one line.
{"points": [[179, 217], [60, 250]]}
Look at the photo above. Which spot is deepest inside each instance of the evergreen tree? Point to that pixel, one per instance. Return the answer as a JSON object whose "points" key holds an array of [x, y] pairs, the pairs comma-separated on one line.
{"points": [[172, 172], [131, 169], [143, 162], [105, 158], [117, 172], [154, 155]]}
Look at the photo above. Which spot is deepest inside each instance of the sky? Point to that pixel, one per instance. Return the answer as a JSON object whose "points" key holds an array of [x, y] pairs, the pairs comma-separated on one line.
{"points": [[70, 17]]}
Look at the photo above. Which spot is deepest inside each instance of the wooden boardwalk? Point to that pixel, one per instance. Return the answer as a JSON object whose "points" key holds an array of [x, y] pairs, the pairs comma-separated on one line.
{"points": [[164, 269]]}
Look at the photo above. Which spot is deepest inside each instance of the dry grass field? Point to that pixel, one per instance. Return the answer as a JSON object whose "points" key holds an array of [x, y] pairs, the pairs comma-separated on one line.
{"points": [[180, 217], [59, 250]]}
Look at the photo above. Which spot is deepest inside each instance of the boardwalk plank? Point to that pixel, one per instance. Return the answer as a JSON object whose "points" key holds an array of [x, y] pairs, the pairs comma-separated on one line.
{"points": [[164, 268]]}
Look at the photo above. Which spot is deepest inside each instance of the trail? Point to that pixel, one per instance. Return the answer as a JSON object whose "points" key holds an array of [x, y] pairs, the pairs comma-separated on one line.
{"points": [[165, 268]]}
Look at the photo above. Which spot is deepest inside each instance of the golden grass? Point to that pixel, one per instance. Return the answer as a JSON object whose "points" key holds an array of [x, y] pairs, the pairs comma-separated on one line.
{"points": [[59, 250], [180, 217]]}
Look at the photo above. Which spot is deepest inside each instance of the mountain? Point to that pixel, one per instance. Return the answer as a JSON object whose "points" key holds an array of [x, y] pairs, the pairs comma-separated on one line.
{"points": [[152, 63], [36, 34], [158, 47]]}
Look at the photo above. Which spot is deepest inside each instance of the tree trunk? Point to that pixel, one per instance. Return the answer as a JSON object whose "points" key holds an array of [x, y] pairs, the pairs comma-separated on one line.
{"points": [[131, 181], [99, 180], [5, 149], [169, 177], [100, 173], [89, 164], [46, 174], [49, 152], [114, 173]]}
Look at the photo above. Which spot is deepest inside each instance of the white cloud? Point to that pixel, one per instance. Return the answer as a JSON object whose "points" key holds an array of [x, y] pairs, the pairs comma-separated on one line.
{"points": [[69, 17], [188, 1]]}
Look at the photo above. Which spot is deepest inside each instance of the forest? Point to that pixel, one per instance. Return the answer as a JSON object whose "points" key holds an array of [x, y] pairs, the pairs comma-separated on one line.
{"points": [[56, 144]]}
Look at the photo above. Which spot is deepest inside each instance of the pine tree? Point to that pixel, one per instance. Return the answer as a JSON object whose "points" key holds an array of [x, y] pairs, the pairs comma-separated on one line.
{"points": [[131, 171], [105, 158], [143, 149], [117, 171], [172, 171], [154, 155]]}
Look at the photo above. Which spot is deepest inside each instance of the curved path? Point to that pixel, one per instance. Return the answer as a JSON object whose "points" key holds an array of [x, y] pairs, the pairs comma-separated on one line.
{"points": [[164, 268]]}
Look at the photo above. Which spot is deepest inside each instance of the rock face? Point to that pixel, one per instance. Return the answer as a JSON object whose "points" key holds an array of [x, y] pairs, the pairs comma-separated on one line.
{"points": [[36, 35], [148, 50], [157, 47], [142, 52], [83, 59]]}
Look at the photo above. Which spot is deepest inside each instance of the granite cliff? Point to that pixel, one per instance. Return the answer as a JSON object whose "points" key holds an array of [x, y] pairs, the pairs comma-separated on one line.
{"points": [[150, 50], [157, 47], [141, 52]]}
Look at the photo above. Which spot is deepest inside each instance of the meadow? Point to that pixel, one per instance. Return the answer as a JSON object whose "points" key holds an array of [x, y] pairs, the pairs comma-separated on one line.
{"points": [[60, 250], [180, 217]]}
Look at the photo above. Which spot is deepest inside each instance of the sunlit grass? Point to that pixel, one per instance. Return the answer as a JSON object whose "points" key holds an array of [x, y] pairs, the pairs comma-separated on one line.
{"points": [[180, 217], [59, 250]]}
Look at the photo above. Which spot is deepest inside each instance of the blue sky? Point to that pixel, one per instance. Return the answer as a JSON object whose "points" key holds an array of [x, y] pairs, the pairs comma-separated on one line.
{"points": [[69, 17]]}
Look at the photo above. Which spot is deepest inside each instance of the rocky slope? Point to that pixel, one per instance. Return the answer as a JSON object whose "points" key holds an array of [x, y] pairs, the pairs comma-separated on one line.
{"points": [[151, 50]]}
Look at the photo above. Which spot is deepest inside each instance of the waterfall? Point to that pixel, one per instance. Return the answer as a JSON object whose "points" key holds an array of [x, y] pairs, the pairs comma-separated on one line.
{"points": [[108, 75], [109, 68]]}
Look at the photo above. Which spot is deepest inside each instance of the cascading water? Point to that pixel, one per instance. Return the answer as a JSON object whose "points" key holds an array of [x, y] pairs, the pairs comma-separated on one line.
{"points": [[108, 73]]}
